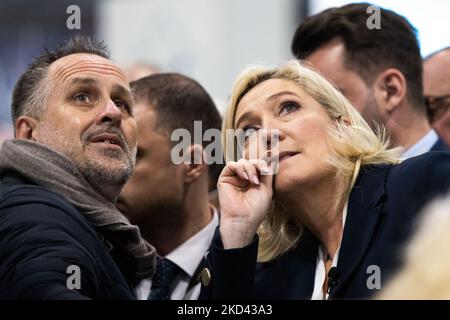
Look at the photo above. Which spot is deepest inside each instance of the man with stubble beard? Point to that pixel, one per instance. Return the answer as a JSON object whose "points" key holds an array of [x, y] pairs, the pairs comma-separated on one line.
{"points": [[74, 148]]}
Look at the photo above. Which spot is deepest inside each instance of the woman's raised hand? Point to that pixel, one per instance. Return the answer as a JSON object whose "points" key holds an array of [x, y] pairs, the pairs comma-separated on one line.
{"points": [[245, 194]]}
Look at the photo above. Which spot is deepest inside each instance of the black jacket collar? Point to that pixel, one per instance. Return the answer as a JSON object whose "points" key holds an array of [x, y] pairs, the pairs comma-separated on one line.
{"points": [[364, 206], [440, 146]]}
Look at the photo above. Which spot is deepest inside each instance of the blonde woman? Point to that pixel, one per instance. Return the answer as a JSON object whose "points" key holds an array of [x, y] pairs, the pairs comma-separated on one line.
{"points": [[331, 221]]}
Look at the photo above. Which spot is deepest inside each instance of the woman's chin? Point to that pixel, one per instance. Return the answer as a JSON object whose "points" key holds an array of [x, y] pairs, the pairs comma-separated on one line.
{"points": [[285, 183]]}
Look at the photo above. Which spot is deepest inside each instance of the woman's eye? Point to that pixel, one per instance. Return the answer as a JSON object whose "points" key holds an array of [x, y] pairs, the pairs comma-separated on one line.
{"points": [[288, 107], [81, 97], [249, 131]]}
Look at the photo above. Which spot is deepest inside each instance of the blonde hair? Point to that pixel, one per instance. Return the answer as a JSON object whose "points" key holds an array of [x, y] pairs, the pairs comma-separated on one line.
{"points": [[354, 144], [425, 273]]}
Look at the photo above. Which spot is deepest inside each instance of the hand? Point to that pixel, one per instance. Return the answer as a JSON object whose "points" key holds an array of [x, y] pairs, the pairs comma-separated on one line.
{"points": [[245, 196]]}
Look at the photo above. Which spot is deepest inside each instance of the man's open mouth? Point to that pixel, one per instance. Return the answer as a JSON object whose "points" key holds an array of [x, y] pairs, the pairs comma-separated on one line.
{"points": [[108, 139]]}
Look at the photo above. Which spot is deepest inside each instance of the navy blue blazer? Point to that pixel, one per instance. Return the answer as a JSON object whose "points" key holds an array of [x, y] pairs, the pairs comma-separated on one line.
{"points": [[382, 210], [440, 146]]}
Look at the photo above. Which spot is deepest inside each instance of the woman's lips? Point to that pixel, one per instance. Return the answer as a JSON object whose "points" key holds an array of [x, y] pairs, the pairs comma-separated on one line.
{"points": [[285, 155]]}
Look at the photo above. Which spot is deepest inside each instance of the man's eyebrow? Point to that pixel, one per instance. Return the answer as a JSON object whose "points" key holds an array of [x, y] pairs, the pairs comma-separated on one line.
{"points": [[122, 91], [85, 81], [279, 94]]}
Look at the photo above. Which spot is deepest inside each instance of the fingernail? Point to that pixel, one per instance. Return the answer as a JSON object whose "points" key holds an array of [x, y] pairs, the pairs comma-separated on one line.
{"points": [[255, 179], [245, 175]]}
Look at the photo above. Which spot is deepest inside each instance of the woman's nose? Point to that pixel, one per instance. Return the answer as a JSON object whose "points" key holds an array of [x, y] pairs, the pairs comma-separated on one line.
{"points": [[264, 143], [272, 134]]}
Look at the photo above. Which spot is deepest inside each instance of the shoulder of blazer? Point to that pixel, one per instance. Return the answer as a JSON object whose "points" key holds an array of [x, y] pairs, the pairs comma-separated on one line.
{"points": [[370, 186], [411, 183], [440, 146], [429, 172]]}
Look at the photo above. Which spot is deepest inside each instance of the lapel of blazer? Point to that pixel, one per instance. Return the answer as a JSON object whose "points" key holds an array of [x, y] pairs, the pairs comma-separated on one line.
{"points": [[306, 262], [363, 212], [290, 276]]}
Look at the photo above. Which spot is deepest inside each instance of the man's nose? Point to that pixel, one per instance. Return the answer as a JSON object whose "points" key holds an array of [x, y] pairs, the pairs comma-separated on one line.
{"points": [[110, 113]]}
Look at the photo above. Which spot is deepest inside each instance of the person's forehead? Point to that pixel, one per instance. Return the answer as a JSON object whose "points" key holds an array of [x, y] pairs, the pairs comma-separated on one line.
{"points": [[79, 64], [147, 136], [439, 64], [258, 96], [145, 117], [143, 110], [328, 58], [437, 74]]}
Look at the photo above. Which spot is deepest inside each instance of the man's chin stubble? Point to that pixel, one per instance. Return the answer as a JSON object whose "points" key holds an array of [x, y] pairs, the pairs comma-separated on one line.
{"points": [[108, 176]]}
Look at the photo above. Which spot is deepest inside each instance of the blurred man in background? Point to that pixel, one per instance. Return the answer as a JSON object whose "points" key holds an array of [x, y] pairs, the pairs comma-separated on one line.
{"points": [[138, 70], [378, 70], [168, 201], [436, 83], [5, 132]]}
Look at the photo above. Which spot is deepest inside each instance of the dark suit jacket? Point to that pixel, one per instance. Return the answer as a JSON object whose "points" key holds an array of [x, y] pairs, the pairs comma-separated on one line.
{"points": [[440, 146], [382, 210]]}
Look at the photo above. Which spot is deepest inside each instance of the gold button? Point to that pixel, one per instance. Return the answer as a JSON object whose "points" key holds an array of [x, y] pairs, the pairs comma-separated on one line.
{"points": [[205, 277]]}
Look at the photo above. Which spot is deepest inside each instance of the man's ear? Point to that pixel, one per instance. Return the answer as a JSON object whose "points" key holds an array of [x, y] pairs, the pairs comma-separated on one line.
{"points": [[197, 165], [26, 128], [390, 90]]}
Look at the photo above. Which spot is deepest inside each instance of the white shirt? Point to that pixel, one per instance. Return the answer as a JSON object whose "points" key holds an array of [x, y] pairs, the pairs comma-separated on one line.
{"points": [[320, 275], [421, 146], [187, 256]]}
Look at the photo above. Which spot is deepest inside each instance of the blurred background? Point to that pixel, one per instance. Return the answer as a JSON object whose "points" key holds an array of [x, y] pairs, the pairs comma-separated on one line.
{"points": [[208, 40]]}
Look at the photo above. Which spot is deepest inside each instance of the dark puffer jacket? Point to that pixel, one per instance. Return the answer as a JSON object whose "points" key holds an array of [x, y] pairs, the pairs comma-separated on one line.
{"points": [[42, 235]]}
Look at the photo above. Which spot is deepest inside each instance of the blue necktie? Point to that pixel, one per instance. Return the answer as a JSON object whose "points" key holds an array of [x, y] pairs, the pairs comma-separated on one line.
{"points": [[165, 273]]}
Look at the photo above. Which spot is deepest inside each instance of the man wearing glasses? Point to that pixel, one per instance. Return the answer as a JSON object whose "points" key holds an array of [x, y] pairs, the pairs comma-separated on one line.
{"points": [[436, 81]]}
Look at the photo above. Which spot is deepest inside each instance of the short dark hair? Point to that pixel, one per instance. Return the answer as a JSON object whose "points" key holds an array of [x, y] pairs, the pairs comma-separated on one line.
{"points": [[29, 96], [368, 52], [178, 101]]}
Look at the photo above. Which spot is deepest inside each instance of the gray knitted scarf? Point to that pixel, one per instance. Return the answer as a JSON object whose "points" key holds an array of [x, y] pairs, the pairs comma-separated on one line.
{"points": [[53, 170]]}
